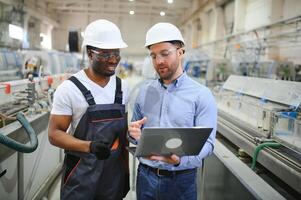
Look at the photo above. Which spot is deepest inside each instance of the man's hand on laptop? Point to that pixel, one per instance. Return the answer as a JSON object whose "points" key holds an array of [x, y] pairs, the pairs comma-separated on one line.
{"points": [[172, 159], [135, 128]]}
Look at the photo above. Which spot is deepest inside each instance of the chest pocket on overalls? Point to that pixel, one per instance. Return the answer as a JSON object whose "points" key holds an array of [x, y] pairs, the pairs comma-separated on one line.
{"points": [[107, 124]]}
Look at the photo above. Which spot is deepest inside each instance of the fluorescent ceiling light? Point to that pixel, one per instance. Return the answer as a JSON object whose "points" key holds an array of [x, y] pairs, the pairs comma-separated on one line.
{"points": [[15, 32], [132, 12], [131, 0], [170, 1], [162, 13]]}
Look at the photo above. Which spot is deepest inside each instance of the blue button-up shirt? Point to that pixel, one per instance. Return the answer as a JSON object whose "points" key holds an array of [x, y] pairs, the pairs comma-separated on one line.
{"points": [[183, 103]]}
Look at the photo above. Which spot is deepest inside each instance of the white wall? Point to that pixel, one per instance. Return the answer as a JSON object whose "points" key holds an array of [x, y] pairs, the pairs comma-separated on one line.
{"points": [[248, 15], [257, 13], [134, 33], [67, 22], [291, 8]]}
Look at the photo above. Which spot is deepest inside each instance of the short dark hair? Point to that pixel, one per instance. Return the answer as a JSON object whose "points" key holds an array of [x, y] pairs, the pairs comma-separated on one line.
{"points": [[177, 43]]}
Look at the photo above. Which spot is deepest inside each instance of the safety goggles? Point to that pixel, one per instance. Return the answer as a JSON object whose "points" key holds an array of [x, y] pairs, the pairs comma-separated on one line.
{"points": [[106, 55], [163, 54]]}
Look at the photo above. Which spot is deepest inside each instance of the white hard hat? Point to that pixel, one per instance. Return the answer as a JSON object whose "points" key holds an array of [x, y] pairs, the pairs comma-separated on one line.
{"points": [[162, 32], [103, 34]]}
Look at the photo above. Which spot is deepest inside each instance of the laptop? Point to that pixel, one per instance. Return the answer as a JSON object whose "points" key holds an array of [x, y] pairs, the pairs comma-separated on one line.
{"points": [[184, 141]]}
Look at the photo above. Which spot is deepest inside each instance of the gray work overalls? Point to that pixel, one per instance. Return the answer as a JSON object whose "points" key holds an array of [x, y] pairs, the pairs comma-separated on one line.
{"points": [[86, 177]]}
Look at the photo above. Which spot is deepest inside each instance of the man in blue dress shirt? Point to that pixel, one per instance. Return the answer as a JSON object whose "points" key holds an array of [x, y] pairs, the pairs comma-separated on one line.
{"points": [[173, 100]]}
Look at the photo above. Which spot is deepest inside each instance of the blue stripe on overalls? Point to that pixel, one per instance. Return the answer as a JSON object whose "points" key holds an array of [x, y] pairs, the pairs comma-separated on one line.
{"points": [[86, 177]]}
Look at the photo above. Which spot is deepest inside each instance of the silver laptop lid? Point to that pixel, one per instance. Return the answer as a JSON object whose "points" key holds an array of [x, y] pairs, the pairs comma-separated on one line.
{"points": [[166, 141]]}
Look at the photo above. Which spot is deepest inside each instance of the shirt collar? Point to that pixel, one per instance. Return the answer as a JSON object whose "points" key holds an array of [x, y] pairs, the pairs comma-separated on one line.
{"points": [[176, 82]]}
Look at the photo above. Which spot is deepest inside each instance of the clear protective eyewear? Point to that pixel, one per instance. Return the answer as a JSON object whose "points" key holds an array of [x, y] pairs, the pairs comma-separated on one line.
{"points": [[106, 55], [163, 54]]}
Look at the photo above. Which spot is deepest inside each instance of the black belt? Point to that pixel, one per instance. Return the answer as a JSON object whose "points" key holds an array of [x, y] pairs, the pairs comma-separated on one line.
{"points": [[164, 172]]}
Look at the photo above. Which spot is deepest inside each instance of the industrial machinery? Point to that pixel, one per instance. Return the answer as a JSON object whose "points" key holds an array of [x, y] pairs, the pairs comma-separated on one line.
{"points": [[27, 176], [16, 65], [283, 70], [10, 65], [262, 118], [209, 72], [29, 164], [298, 72], [51, 62]]}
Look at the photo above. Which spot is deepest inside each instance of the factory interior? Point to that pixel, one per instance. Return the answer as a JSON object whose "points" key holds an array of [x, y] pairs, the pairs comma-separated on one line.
{"points": [[247, 52]]}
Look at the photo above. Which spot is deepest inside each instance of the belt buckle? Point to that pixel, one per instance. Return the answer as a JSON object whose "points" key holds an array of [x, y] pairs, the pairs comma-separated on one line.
{"points": [[158, 172]]}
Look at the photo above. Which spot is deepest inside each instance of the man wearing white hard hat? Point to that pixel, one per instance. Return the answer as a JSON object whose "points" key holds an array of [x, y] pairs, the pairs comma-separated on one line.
{"points": [[89, 121], [173, 100]]}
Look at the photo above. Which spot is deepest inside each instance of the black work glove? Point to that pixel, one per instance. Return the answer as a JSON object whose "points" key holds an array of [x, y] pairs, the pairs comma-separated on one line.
{"points": [[100, 149]]}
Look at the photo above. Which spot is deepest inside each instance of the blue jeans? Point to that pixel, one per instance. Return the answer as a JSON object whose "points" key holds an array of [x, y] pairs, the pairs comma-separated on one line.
{"points": [[150, 186]]}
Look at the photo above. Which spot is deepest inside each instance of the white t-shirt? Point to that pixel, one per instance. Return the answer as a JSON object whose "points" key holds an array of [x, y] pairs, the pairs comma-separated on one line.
{"points": [[68, 99]]}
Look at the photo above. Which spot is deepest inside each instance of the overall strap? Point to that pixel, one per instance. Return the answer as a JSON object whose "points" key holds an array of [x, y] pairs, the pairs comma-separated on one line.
{"points": [[87, 94], [118, 91]]}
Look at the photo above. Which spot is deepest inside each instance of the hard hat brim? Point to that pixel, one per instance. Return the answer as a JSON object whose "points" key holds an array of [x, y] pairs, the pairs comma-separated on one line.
{"points": [[119, 45], [150, 43]]}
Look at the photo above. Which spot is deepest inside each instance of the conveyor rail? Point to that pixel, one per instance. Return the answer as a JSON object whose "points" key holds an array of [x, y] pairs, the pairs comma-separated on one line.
{"points": [[283, 162]]}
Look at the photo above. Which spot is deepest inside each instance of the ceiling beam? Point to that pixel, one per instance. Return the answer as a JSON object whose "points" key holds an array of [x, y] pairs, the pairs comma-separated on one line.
{"points": [[114, 12], [177, 5]]}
